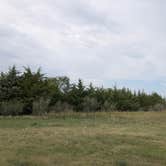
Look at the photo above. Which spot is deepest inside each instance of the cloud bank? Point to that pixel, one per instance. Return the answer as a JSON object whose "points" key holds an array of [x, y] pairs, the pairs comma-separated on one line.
{"points": [[100, 41]]}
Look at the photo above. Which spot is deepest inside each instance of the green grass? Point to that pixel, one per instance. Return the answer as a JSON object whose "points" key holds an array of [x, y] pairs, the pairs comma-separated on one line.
{"points": [[120, 139]]}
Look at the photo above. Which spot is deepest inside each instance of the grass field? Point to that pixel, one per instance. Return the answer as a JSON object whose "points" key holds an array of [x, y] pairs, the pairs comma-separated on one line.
{"points": [[122, 139]]}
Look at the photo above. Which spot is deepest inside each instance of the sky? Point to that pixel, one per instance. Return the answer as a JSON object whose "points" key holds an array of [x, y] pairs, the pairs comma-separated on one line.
{"points": [[108, 42]]}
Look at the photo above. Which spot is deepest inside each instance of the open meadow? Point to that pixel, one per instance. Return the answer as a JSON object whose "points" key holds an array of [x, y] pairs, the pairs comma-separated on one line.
{"points": [[82, 139]]}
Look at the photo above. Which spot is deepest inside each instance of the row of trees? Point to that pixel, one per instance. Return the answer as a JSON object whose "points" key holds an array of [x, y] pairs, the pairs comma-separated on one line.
{"points": [[32, 93]]}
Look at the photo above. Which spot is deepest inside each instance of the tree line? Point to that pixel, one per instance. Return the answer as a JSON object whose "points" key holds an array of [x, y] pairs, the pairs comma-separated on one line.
{"points": [[28, 92]]}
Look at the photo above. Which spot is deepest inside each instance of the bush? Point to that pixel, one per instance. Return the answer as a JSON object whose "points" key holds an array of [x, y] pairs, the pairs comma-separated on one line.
{"points": [[11, 108], [90, 104], [157, 107], [61, 107], [41, 106], [108, 106]]}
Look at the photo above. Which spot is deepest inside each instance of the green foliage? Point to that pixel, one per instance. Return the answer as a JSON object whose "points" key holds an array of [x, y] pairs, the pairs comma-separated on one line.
{"points": [[60, 107], [11, 108], [40, 106], [108, 106], [90, 104], [33, 85], [32, 88], [76, 95], [10, 85]]}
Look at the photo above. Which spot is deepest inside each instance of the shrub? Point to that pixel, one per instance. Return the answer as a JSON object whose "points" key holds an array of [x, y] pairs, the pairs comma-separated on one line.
{"points": [[157, 107], [90, 104], [108, 106], [61, 107], [41, 106], [11, 108]]}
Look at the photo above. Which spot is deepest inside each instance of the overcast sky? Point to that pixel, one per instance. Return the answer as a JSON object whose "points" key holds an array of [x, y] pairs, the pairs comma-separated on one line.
{"points": [[103, 41]]}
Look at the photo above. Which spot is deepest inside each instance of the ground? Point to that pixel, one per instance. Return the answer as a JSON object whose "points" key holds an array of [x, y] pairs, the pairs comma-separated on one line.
{"points": [[100, 139]]}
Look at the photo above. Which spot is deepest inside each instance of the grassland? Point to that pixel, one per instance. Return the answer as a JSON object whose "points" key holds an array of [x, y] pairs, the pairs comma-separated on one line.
{"points": [[122, 139]]}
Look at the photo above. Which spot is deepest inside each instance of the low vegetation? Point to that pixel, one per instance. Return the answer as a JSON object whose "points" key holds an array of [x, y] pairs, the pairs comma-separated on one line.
{"points": [[84, 139], [27, 92], [78, 124]]}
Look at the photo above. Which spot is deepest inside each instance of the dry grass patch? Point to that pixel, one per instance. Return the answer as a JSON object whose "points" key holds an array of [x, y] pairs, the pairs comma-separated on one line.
{"points": [[84, 139]]}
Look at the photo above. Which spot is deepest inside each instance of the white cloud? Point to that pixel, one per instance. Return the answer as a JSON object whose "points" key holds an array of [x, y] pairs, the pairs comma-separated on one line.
{"points": [[91, 39]]}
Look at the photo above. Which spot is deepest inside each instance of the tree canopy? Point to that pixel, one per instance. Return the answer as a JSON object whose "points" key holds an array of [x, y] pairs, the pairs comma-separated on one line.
{"points": [[20, 91]]}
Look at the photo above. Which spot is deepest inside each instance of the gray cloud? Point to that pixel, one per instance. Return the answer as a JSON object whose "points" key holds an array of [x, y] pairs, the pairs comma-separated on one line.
{"points": [[95, 40]]}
